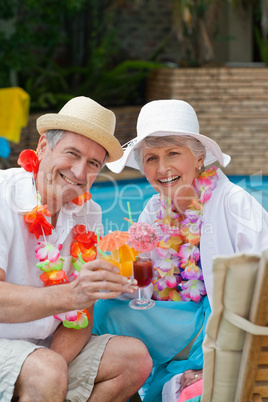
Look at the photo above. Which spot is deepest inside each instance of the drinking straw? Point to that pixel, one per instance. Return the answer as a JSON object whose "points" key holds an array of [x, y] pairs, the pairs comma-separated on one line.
{"points": [[129, 213], [98, 239], [98, 235], [81, 258]]}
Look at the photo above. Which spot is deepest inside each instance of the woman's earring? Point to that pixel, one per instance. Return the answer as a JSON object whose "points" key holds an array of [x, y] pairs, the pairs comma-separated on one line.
{"points": [[200, 167]]}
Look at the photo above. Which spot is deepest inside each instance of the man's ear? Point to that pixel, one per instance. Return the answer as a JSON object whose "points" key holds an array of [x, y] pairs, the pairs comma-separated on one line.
{"points": [[42, 146]]}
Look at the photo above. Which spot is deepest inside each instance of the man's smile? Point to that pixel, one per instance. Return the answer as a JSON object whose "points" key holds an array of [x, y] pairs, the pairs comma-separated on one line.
{"points": [[69, 180]]}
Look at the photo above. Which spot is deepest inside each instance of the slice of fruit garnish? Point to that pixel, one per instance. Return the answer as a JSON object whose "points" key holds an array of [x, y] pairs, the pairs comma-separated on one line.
{"points": [[124, 253]]}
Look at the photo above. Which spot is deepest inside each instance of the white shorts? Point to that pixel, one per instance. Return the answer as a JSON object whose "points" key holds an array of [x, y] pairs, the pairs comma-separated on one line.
{"points": [[82, 370]]}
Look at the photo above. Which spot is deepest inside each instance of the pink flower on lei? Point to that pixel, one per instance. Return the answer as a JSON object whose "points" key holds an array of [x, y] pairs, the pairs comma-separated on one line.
{"points": [[168, 231], [165, 210], [168, 258], [188, 251], [163, 265], [167, 281], [206, 183], [192, 290], [193, 216], [170, 281], [74, 319], [191, 271], [166, 253], [47, 252]]}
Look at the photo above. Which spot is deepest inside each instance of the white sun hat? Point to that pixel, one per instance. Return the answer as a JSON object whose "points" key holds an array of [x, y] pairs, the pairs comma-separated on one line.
{"points": [[168, 117], [82, 115]]}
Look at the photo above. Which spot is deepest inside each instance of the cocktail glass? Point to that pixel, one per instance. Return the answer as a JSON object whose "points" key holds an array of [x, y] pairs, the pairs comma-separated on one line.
{"points": [[143, 272], [122, 258]]}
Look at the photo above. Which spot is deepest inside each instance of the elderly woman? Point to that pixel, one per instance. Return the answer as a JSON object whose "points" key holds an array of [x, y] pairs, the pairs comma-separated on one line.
{"points": [[198, 214]]}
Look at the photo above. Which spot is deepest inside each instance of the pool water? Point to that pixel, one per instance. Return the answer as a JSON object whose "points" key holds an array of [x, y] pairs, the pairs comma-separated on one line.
{"points": [[113, 196]]}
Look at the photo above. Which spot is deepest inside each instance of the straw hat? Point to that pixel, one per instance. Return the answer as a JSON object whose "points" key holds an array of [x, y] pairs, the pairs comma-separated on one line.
{"points": [[168, 117], [84, 116]]}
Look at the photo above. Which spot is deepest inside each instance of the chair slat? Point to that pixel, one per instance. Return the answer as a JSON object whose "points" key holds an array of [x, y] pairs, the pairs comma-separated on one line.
{"points": [[263, 359], [265, 341], [257, 398], [262, 374], [261, 390]]}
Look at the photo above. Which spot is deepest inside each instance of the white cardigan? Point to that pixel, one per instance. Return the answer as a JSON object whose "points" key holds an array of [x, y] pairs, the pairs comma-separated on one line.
{"points": [[234, 222]]}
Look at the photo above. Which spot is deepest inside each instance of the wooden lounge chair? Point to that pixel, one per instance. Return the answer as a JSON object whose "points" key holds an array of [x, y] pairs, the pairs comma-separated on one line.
{"points": [[236, 342]]}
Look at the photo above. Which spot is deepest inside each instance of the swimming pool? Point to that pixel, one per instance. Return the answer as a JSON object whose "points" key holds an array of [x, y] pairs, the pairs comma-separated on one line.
{"points": [[113, 196]]}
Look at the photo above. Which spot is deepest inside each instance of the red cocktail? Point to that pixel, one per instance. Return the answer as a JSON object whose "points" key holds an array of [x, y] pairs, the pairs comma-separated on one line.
{"points": [[143, 272]]}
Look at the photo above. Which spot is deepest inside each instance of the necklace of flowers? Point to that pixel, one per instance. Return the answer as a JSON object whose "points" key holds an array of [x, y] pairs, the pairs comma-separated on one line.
{"points": [[179, 273], [83, 247]]}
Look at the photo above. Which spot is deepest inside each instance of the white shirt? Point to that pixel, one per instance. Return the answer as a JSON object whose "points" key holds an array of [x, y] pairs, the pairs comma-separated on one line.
{"points": [[234, 222], [17, 244]]}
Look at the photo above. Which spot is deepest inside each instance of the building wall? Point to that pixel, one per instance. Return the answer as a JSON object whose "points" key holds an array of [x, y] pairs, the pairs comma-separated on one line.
{"points": [[232, 106]]}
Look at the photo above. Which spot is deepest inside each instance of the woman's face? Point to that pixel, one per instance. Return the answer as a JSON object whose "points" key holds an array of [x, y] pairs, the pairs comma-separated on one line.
{"points": [[171, 171]]}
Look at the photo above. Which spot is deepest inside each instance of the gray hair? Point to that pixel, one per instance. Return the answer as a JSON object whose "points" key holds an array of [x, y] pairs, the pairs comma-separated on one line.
{"points": [[195, 146], [54, 136]]}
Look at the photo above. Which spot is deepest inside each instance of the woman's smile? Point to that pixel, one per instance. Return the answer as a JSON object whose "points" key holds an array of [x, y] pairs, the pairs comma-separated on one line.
{"points": [[170, 180]]}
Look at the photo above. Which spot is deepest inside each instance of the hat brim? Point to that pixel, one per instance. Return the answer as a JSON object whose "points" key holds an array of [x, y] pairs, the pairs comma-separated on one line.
{"points": [[88, 129], [213, 151]]}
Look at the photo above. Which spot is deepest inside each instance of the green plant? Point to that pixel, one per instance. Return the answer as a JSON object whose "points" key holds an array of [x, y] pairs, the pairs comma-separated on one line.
{"points": [[122, 85], [60, 49], [262, 44]]}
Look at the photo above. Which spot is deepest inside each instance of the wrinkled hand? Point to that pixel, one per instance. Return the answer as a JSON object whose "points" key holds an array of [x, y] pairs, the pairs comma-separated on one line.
{"points": [[189, 377], [99, 279]]}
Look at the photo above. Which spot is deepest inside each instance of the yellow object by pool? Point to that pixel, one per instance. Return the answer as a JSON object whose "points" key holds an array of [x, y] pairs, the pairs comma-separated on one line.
{"points": [[14, 112]]}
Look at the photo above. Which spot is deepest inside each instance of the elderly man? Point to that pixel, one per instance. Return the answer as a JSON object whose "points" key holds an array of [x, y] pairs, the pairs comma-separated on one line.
{"points": [[47, 350]]}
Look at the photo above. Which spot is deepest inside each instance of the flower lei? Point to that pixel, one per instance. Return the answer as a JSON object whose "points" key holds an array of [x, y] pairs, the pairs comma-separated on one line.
{"points": [[179, 273], [50, 261]]}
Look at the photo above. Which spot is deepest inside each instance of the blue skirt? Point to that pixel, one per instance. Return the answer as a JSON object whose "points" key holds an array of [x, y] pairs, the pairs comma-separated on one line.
{"points": [[165, 329]]}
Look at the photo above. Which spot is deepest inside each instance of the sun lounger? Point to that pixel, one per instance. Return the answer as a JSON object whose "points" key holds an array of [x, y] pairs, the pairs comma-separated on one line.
{"points": [[236, 342]]}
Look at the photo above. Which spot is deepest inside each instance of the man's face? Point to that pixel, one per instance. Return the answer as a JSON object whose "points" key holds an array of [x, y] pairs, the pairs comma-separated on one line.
{"points": [[69, 169]]}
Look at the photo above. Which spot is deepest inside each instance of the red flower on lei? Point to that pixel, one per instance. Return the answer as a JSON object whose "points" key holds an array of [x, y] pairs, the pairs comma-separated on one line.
{"points": [[54, 278], [82, 198], [28, 159], [84, 243], [38, 225]]}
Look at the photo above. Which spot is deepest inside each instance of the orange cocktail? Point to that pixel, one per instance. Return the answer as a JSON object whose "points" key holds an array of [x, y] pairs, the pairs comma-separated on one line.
{"points": [[123, 258]]}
